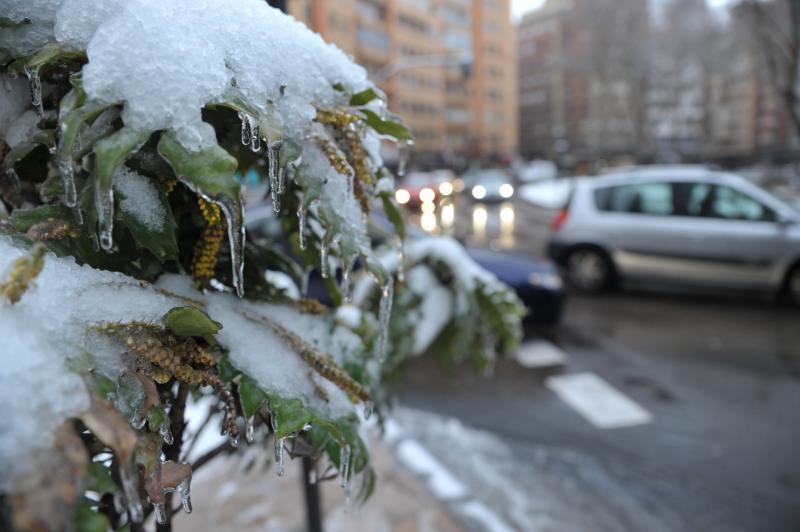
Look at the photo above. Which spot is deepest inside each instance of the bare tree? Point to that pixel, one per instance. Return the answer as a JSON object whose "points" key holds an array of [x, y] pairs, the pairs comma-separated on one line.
{"points": [[775, 27]]}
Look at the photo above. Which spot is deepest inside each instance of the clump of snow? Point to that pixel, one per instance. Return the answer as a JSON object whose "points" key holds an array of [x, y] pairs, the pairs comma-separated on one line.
{"points": [[435, 309], [283, 282], [14, 98], [46, 329], [276, 63], [447, 250], [21, 129], [139, 198]]}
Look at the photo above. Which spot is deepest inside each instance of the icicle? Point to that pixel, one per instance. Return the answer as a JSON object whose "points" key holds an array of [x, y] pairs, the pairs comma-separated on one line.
{"points": [[384, 313], [161, 513], [104, 204], [245, 128], [312, 476], [7, 83], [323, 258], [165, 432], [13, 179], [347, 271], [401, 259], [131, 489], [279, 444], [233, 440], [344, 465], [36, 89], [281, 180], [402, 158], [301, 226], [249, 429], [368, 408], [255, 138], [233, 211], [67, 172], [184, 490], [304, 282], [273, 152]]}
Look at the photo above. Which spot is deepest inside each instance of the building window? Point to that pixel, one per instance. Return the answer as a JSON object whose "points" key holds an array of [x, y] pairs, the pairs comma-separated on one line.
{"points": [[373, 39]]}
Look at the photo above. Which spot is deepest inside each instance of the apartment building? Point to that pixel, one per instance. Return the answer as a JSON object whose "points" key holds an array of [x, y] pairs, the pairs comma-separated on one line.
{"points": [[457, 113]]}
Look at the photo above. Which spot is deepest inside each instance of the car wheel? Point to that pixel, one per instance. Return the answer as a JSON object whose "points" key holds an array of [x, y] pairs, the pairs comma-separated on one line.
{"points": [[588, 270], [793, 286]]}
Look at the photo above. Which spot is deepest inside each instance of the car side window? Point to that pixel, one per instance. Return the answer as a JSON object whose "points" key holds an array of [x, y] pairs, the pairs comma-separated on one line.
{"points": [[645, 198], [717, 201]]}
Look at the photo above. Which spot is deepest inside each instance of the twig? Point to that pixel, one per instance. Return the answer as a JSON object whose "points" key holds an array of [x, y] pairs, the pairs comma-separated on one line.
{"points": [[212, 411]]}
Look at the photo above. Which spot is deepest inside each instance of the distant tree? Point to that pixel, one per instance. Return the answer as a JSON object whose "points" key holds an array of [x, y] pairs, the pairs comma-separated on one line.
{"points": [[775, 28]]}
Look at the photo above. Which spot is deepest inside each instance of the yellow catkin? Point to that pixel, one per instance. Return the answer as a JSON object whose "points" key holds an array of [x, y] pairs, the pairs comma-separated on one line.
{"points": [[308, 305], [335, 157], [206, 249], [22, 274], [356, 158], [52, 229], [164, 355]]}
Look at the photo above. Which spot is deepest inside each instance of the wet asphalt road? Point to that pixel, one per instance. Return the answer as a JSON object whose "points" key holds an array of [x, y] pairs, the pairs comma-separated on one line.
{"points": [[719, 373]]}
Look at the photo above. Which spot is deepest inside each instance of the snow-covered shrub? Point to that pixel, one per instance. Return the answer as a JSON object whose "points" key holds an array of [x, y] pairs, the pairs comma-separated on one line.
{"points": [[130, 289]]}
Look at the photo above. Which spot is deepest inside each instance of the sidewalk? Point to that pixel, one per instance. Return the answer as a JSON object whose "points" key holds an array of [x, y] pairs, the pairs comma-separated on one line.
{"points": [[229, 495]]}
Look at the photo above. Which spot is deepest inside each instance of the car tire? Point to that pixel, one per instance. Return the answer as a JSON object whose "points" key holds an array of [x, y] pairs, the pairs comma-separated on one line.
{"points": [[588, 270], [791, 288]]}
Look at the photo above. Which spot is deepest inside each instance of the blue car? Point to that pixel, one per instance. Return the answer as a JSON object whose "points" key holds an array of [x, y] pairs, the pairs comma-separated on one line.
{"points": [[536, 280]]}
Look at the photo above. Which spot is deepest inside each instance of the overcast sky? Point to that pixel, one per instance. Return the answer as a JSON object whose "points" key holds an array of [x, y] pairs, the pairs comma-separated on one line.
{"points": [[520, 7]]}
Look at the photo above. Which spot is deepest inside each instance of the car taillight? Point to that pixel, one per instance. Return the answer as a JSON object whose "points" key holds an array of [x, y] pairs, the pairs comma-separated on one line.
{"points": [[559, 220]]}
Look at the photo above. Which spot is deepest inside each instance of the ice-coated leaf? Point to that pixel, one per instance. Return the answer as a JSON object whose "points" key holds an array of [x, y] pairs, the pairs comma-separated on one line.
{"points": [[209, 169], [289, 415], [51, 52], [24, 219], [190, 321], [251, 396], [100, 385], [394, 215], [226, 371], [392, 128], [112, 151], [87, 520], [100, 479], [162, 242], [156, 418], [71, 120], [364, 97]]}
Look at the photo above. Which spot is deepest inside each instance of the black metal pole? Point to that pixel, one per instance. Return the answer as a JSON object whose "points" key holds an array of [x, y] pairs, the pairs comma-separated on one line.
{"points": [[313, 513]]}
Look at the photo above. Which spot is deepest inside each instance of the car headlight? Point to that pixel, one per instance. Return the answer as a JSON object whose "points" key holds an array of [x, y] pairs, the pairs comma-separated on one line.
{"points": [[506, 190], [478, 192], [549, 280], [427, 194], [446, 188], [402, 196]]}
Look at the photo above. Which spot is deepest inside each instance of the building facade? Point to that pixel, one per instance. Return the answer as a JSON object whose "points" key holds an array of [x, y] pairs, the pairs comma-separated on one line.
{"points": [[457, 112]]}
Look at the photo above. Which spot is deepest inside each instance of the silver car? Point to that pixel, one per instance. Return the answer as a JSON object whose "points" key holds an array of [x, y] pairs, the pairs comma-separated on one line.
{"points": [[677, 224]]}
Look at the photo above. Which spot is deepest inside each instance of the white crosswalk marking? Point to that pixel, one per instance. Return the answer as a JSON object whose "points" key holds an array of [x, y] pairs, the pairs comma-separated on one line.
{"points": [[540, 354], [597, 401]]}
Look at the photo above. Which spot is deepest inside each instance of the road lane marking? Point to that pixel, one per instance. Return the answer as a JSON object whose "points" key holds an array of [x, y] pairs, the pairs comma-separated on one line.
{"points": [[540, 354], [597, 401], [489, 521], [441, 482]]}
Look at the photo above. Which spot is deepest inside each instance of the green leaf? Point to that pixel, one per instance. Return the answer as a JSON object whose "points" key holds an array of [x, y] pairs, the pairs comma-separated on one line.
{"points": [[392, 128], [289, 152], [251, 396], [190, 321], [100, 385], [364, 97], [24, 219], [6, 22], [51, 52], [87, 520], [289, 416], [71, 119], [227, 371], [112, 151], [155, 418], [161, 242], [210, 169], [394, 215], [100, 479]]}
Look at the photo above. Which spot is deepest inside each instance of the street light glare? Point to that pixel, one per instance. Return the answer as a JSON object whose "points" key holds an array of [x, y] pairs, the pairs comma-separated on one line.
{"points": [[478, 192], [402, 196], [427, 195]]}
